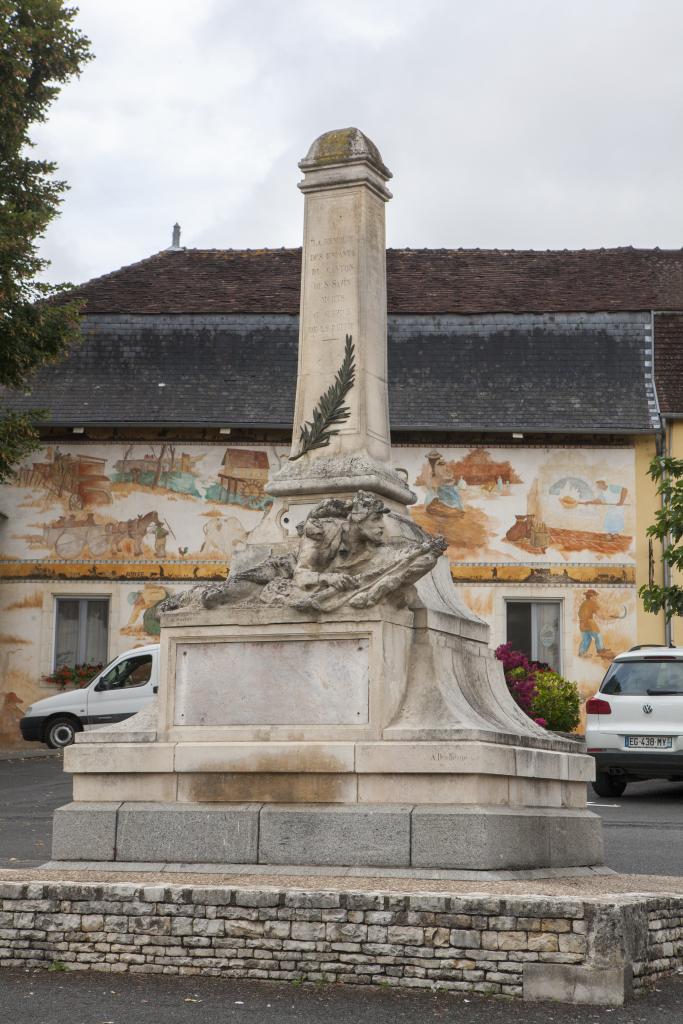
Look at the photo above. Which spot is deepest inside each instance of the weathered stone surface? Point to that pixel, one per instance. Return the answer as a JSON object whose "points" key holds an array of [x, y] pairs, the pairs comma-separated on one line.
{"points": [[271, 682], [142, 758], [343, 292], [433, 789], [85, 831], [265, 757], [501, 838], [575, 841], [437, 758], [575, 983], [193, 833], [123, 786], [352, 835], [267, 787]]}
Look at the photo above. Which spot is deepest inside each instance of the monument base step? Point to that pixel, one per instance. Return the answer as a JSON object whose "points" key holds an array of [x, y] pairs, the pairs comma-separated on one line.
{"points": [[309, 871], [446, 837]]}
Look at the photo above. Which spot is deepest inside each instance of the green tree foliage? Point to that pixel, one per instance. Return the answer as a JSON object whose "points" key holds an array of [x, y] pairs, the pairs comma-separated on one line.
{"points": [[668, 529], [40, 50]]}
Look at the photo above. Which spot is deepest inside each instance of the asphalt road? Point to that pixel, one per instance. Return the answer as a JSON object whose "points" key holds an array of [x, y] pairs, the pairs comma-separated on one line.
{"points": [[643, 828], [30, 789], [38, 997]]}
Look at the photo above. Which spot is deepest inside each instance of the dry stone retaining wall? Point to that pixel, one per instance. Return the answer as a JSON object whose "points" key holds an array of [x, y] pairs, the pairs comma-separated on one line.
{"points": [[467, 943], [664, 941]]}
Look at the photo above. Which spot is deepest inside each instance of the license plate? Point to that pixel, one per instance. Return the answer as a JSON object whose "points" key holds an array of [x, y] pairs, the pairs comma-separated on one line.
{"points": [[660, 742]]}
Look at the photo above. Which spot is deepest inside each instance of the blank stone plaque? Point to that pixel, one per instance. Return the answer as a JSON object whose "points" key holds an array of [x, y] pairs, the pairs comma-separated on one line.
{"points": [[272, 682]]}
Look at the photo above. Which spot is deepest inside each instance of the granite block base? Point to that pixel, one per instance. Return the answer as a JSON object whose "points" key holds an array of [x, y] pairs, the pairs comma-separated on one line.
{"points": [[368, 835]]}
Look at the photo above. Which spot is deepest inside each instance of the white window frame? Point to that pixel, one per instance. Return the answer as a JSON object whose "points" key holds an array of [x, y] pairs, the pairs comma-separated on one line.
{"points": [[82, 624], [534, 601]]}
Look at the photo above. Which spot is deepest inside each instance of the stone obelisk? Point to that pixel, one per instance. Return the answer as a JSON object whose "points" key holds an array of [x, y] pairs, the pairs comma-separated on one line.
{"points": [[341, 439]]}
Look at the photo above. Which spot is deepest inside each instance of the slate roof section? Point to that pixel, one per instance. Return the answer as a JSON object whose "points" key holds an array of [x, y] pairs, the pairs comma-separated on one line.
{"points": [[551, 373], [419, 281], [669, 363]]}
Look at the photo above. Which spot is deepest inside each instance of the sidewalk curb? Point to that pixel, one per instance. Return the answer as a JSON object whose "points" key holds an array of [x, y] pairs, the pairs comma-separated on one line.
{"points": [[24, 755]]}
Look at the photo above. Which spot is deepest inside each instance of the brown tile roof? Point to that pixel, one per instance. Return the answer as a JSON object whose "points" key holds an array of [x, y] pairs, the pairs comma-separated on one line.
{"points": [[669, 363], [422, 281]]}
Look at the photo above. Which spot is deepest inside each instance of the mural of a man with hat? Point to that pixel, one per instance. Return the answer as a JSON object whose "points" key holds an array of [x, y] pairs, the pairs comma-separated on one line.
{"points": [[589, 613]]}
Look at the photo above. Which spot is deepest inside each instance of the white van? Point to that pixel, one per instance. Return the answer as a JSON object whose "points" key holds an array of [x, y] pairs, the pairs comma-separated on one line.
{"points": [[123, 688]]}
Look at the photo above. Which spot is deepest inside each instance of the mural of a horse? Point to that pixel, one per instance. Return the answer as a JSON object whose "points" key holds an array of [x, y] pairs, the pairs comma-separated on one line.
{"points": [[132, 529]]}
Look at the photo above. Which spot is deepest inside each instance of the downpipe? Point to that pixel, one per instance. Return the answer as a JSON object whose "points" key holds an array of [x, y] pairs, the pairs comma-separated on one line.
{"points": [[665, 449]]}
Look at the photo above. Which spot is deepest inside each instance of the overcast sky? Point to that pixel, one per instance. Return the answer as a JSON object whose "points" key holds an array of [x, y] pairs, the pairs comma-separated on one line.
{"points": [[507, 123]]}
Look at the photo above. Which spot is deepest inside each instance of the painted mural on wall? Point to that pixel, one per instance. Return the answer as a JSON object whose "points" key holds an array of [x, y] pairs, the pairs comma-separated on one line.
{"points": [[495, 506], [143, 621], [544, 505], [143, 520], [127, 503], [597, 624], [20, 613]]}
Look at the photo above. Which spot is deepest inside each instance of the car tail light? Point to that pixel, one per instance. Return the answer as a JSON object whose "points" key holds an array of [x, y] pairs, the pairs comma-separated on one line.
{"points": [[597, 706]]}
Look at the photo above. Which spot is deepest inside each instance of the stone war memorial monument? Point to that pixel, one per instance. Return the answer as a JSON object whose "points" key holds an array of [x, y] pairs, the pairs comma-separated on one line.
{"points": [[333, 703]]}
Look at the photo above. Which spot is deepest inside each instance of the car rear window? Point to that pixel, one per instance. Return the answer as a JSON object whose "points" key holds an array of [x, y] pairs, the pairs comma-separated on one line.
{"points": [[649, 677]]}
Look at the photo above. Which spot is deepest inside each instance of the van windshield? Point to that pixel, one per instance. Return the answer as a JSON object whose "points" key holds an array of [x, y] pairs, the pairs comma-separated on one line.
{"points": [[649, 677], [134, 671]]}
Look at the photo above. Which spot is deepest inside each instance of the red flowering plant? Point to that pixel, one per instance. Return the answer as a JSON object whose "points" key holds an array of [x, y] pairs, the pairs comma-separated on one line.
{"points": [[541, 692], [72, 676], [520, 675]]}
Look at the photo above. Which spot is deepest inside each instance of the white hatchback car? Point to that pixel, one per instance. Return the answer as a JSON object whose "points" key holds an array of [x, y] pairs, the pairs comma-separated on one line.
{"points": [[634, 724]]}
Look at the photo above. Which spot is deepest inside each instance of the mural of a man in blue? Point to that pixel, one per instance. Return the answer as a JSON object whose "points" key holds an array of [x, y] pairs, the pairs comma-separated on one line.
{"points": [[442, 484], [614, 495]]}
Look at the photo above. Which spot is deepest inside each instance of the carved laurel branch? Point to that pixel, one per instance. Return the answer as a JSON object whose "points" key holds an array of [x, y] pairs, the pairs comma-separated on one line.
{"points": [[331, 409]]}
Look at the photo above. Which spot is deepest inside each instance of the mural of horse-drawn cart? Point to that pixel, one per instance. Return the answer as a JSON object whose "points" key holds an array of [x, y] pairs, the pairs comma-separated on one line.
{"points": [[79, 478], [70, 537]]}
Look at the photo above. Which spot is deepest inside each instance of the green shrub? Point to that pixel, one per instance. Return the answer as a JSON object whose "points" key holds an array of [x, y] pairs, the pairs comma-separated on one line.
{"points": [[557, 701]]}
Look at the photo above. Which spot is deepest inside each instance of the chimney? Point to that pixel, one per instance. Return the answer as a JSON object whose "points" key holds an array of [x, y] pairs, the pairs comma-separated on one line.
{"points": [[175, 243]]}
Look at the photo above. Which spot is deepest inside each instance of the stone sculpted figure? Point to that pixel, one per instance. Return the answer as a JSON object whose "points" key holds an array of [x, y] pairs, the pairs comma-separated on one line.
{"points": [[343, 558]]}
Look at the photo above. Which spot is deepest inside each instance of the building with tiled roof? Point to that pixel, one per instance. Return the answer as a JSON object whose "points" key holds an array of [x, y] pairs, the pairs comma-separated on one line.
{"points": [[419, 281], [528, 393], [457, 318]]}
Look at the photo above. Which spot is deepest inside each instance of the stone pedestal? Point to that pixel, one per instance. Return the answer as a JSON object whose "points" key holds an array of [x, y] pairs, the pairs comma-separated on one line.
{"points": [[385, 739]]}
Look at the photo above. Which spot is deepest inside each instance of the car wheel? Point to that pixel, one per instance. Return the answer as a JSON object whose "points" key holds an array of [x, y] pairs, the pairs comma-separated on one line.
{"points": [[61, 732], [608, 785]]}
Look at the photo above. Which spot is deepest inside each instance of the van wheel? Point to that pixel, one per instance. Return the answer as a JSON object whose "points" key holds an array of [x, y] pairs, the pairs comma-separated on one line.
{"points": [[61, 732], [608, 785]]}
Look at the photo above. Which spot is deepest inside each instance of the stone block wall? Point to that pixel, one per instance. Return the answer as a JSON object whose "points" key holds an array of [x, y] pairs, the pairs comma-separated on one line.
{"points": [[664, 946], [465, 943]]}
